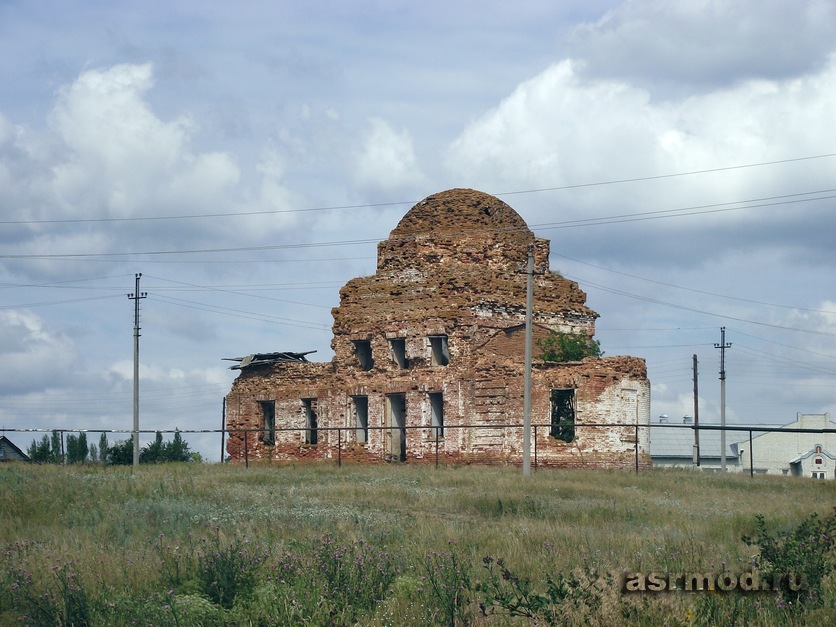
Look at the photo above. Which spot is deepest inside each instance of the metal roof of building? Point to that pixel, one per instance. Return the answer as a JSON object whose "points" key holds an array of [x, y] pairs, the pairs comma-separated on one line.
{"points": [[677, 440], [265, 359]]}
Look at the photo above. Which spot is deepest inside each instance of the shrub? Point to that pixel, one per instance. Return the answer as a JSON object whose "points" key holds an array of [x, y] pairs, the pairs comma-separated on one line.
{"points": [[562, 347], [448, 582], [227, 571], [806, 551], [576, 593], [62, 600], [331, 583]]}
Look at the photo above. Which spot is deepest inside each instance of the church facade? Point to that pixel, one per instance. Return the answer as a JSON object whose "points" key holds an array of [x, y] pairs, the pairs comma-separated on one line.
{"points": [[429, 359]]}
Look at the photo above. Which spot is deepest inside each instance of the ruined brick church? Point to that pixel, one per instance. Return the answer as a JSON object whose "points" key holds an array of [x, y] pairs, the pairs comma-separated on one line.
{"points": [[429, 359]]}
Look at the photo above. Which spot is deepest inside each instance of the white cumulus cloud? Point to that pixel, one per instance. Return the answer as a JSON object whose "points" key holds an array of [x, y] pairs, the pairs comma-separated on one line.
{"points": [[387, 160]]}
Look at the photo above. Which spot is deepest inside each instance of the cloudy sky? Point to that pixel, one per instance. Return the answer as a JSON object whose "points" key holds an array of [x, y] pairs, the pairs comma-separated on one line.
{"points": [[246, 157]]}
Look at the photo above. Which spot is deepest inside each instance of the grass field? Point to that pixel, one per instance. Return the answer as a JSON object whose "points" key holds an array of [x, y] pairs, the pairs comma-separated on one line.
{"points": [[200, 544]]}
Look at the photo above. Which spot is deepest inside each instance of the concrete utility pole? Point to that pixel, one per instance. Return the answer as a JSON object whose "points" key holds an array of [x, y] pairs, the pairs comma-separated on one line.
{"points": [[722, 346], [136, 296], [696, 416], [529, 308]]}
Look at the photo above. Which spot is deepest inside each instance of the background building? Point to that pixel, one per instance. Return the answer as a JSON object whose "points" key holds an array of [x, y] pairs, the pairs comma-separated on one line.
{"points": [[672, 445], [792, 453], [11, 453]]}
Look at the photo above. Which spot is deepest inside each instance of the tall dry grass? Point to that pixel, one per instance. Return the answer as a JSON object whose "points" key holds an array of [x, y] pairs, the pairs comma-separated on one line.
{"points": [[106, 523]]}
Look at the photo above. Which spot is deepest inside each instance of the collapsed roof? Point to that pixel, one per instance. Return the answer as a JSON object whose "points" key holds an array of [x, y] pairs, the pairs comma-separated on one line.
{"points": [[265, 359]]}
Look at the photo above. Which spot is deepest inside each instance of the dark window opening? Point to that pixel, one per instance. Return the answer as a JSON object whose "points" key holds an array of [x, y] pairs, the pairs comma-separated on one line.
{"points": [[563, 415], [311, 421], [398, 346], [363, 351], [268, 421], [819, 475], [361, 418], [818, 460], [437, 414], [439, 351], [396, 421]]}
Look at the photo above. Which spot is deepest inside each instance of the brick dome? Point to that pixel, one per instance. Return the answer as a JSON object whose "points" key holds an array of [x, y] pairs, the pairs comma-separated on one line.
{"points": [[463, 212]]}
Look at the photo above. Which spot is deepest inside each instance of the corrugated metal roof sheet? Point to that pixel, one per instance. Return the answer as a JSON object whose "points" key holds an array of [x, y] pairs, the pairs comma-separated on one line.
{"points": [[265, 359]]}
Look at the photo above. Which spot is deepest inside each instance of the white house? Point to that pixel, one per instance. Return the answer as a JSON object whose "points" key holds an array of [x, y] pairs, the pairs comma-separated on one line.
{"points": [[791, 451]]}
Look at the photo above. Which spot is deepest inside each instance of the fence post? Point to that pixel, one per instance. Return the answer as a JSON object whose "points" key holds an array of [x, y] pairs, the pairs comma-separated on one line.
{"points": [[637, 448], [436, 449], [535, 447], [246, 449], [751, 464], [339, 447], [223, 426]]}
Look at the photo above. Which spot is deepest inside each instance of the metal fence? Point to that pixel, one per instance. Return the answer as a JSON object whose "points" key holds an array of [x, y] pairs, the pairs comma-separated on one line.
{"points": [[344, 439]]}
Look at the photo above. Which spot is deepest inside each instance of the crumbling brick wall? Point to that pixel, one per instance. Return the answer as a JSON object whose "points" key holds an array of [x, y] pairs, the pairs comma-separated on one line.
{"points": [[438, 330]]}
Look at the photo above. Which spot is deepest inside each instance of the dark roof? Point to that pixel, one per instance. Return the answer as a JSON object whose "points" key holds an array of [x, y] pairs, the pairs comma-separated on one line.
{"points": [[10, 452], [265, 359]]}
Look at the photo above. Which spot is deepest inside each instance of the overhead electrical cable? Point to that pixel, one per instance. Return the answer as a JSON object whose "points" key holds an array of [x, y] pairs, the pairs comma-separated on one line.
{"points": [[699, 311], [238, 313], [651, 215], [689, 289], [412, 202], [240, 293]]}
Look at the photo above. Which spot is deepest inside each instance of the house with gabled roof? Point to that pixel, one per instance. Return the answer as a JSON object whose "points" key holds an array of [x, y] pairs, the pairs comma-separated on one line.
{"points": [[9, 452]]}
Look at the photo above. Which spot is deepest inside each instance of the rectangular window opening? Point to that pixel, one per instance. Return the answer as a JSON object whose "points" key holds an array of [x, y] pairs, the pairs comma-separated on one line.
{"points": [[361, 418], [439, 351], [311, 421], [563, 414], [437, 414], [398, 346], [396, 421], [268, 421], [363, 351]]}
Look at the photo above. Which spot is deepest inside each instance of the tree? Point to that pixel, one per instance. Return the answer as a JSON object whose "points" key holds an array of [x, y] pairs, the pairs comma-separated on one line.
{"points": [[83, 449], [103, 447], [77, 449], [153, 452], [56, 453], [177, 450], [121, 453], [72, 449], [39, 452], [561, 347], [47, 451]]}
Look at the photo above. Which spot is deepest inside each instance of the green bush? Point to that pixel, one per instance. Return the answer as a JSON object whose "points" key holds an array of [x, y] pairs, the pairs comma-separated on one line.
{"points": [[62, 600], [449, 585], [561, 347], [578, 594], [805, 552], [227, 571]]}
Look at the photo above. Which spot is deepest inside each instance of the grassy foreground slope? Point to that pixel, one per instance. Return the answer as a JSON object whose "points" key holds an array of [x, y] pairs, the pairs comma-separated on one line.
{"points": [[396, 544]]}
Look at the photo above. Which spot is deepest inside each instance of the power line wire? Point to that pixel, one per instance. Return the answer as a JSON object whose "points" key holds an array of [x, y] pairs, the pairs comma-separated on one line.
{"points": [[650, 215], [412, 202]]}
